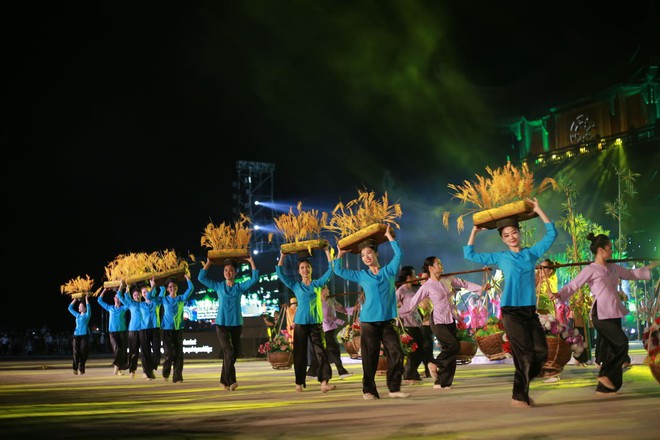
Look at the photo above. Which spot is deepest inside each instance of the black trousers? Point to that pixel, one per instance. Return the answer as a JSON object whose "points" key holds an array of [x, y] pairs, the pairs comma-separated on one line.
{"points": [[230, 343], [528, 345], [80, 352], [372, 335], [119, 342], [146, 357], [414, 359], [449, 348], [173, 345], [334, 352], [133, 350], [310, 334], [613, 349], [427, 348]]}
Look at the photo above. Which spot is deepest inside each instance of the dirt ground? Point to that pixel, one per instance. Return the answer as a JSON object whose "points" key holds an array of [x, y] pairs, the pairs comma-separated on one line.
{"points": [[43, 399]]}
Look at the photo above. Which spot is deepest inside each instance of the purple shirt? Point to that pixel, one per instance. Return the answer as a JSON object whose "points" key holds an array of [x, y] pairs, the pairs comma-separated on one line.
{"points": [[330, 309], [404, 295], [440, 293], [602, 281]]}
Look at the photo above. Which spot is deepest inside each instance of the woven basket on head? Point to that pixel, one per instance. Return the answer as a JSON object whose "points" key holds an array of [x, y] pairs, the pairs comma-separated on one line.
{"points": [[559, 353], [351, 243], [281, 360], [218, 256], [301, 246], [655, 371], [518, 211], [491, 346]]}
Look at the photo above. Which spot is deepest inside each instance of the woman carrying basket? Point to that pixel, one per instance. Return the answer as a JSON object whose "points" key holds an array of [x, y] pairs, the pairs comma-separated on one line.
{"points": [[518, 304]]}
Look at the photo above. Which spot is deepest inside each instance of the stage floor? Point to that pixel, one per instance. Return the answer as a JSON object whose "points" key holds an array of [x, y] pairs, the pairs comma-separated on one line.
{"points": [[43, 399]]}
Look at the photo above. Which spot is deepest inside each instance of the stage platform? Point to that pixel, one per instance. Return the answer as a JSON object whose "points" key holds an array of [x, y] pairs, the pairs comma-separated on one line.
{"points": [[41, 398]]}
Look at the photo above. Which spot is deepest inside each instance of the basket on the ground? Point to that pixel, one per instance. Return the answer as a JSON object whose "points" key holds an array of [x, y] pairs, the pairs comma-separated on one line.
{"points": [[352, 347], [466, 352], [351, 243], [655, 371], [491, 346], [559, 353], [281, 360], [519, 211], [381, 369]]}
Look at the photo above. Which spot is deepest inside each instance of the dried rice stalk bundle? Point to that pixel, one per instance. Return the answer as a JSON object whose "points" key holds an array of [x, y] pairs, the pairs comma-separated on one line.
{"points": [[169, 265], [301, 231], [78, 287], [362, 212], [225, 236], [506, 185], [128, 266], [226, 241]]}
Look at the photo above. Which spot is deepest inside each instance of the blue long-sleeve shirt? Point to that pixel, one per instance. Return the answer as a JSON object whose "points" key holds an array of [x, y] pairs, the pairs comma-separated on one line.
{"points": [[379, 290], [517, 268], [135, 307], [310, 307], [173, 308], [117, 321], [82, 320], [229, 298], [151, 310]]}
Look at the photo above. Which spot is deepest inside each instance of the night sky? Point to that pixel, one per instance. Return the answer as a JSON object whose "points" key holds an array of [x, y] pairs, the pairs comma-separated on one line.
{"points": [[127, 119]]}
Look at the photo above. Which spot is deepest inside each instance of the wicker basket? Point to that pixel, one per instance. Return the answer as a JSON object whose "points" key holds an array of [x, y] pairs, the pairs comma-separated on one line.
{"points": [[352, 347], [466, 352], [351, 243], [303, 246], [491, 346], [519, 211], [281, 360], [655, 371], [559, 353], [111, 284], [218, 256], [178, 274], [381, 369]]}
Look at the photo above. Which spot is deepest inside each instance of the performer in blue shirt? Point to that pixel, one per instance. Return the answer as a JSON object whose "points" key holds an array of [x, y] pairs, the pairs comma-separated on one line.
{"points": [[308, 321], [173, 328], [134, 305], [518, 303], [229, 321], [118, 332], [80, 334], [377, 316]]}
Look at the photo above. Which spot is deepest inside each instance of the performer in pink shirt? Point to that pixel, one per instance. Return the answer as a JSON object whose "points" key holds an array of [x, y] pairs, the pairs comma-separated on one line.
{"points": [[607, 309]]}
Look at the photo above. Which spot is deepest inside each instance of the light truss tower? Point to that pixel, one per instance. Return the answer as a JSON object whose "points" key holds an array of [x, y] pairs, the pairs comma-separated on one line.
{"points": [[255, 182]]}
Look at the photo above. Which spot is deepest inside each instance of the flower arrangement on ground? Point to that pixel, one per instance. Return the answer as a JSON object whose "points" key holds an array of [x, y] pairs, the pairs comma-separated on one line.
{"points": [[279, 343], [553, 327]]}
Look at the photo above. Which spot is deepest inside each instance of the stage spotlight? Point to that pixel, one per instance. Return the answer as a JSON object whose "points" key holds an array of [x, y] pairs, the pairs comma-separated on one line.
{"points": [[257, 203], [255, 252], [257, 227]]}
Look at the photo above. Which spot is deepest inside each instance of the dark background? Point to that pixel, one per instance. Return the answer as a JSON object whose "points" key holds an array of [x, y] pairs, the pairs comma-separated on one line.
{"points": [[125, 120]]}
